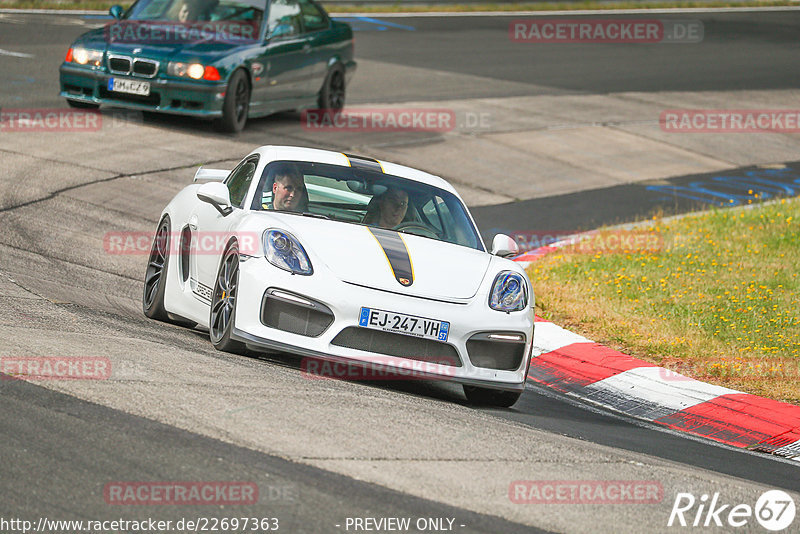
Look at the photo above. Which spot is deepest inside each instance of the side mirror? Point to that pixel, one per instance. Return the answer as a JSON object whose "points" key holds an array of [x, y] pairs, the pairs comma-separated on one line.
{"points": [[216, 194], [502, 245], [116, 11]]}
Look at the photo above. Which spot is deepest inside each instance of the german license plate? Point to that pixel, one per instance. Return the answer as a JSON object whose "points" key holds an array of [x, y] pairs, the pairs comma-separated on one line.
{"points": [[125, 85], [404, 324]]}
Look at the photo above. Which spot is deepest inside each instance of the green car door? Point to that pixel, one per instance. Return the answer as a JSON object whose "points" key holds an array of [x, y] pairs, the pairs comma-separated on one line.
{"points": [[286, 58], [317, 29]]}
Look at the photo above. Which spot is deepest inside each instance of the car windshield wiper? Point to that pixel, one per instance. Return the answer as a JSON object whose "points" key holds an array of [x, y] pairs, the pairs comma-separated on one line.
{"points": [[418, 234], [303, 213], [314, 215]]}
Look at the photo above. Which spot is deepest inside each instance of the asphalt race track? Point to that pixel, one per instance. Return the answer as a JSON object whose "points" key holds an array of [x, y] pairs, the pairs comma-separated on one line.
{"points": [[323, 451]]}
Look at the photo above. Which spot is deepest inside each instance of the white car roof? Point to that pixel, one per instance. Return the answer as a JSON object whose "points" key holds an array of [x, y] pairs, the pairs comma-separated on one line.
{"points": [[295, 153]]}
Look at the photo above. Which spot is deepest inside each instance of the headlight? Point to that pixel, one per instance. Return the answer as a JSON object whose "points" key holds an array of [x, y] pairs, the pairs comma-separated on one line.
{"points": [[284, 251], [509, 292], [195, 71], [85, 56]]}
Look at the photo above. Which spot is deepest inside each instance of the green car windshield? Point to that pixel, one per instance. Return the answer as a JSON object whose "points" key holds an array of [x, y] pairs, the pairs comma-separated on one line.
{"points": [[361, 196], [188, 11]]}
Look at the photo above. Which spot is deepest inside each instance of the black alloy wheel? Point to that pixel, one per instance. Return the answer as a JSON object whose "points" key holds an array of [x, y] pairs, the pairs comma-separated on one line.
{"points": [[223, 304]]}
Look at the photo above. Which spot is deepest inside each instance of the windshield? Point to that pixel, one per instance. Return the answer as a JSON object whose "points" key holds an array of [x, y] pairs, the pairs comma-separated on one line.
{"points": [[365, 197], [197, 10]]}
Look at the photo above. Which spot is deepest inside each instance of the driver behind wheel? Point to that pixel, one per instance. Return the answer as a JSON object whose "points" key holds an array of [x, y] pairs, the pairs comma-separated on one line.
{"points": [[391, 208], [289, 191], [194, 10]]}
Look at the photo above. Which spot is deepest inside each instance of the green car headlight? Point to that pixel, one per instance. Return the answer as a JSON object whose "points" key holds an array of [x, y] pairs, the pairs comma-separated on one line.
{"points": [[87, 56], [195, 71]]}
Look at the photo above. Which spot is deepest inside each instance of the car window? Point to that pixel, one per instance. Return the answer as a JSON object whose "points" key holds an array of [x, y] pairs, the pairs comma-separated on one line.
{"points": [[190, 11], [372, 198], [313, 17], [433, 211], [451, 224], [239, 181], [152, 10], [239, 11], [284, 18]]}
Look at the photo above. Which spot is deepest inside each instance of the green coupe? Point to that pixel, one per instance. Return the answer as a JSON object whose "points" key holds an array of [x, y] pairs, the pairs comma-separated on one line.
{"points": [[225, 60]]}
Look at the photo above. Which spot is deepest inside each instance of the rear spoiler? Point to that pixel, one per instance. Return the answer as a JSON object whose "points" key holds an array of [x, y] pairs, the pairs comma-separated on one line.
{"points": [[210, 175]]}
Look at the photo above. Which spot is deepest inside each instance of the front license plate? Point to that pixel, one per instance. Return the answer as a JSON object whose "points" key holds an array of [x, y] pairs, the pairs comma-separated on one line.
{"points": [[404, 324], [125, 85]]}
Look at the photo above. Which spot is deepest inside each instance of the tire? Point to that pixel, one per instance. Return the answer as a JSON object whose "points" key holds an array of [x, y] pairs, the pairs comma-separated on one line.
{"points": [[491, 397], [156, 275], [236, 105], [77, 104], [332, 94], [223, 304], [155, 279]]}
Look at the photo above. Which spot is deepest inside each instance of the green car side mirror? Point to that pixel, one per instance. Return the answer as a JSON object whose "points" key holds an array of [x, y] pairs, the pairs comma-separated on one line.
{"points": [[115, 11]]}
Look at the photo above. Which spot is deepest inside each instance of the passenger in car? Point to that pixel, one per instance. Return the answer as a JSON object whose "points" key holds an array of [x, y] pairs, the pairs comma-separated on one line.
{"points": [[388, 209], [196, 10], [188, 12]]}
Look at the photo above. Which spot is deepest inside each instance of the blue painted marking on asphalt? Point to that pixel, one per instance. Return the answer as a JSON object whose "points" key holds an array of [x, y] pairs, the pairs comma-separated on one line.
{"points": [[389, 24], [735, 190], [27, 79], [372, 24]]}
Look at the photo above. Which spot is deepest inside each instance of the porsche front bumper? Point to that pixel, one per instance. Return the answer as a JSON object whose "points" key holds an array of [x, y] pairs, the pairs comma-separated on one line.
{"points": [[468, 320]]}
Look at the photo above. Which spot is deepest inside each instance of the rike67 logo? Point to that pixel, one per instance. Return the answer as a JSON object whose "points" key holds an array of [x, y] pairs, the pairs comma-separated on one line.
{"points": [[774, 510]]}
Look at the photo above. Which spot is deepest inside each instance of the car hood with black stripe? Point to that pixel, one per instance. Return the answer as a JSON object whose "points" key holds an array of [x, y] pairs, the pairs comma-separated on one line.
{"points": [[376, 258]]}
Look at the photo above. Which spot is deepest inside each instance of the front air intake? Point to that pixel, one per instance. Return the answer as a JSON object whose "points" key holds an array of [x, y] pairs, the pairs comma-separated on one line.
{"points": [[399, 345], [502, 351], [294, 313]]}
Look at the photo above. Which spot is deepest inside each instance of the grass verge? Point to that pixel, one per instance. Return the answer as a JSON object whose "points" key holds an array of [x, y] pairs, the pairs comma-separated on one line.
{"points": [[103, 5], [717, 298]]}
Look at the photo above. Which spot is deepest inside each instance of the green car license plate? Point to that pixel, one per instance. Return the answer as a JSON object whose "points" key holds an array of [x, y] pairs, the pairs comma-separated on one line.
{"points": [[126, 85]]}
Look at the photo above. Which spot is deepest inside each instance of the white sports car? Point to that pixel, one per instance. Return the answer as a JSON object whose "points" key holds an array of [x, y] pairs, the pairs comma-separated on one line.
{"points": [[346, 259]]}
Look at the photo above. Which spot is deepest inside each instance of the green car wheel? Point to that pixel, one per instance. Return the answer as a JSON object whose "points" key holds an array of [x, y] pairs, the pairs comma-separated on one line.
{"points": [[237, 104], [332, 95]]}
